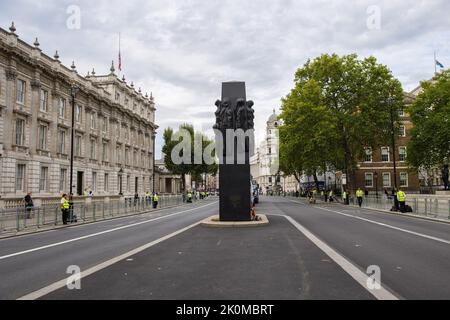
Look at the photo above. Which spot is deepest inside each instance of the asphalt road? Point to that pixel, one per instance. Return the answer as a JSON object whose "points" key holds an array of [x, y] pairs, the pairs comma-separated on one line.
{"points": [[306, 252]]}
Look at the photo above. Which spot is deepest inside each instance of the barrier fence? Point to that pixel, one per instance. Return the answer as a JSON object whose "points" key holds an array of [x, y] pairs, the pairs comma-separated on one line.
{"points": [[20, 218], [422, 205]]}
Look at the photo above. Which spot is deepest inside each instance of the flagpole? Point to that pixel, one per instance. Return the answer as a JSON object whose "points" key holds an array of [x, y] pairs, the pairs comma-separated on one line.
{"points": [[120, 58], [435, 63]]}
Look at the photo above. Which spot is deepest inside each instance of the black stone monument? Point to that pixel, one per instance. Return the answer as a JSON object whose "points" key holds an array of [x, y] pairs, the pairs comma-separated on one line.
{"points": [[234, 116]]}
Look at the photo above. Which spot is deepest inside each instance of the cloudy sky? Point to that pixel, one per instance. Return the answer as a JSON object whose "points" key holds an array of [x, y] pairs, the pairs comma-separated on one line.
{"points": [[182, 50]]}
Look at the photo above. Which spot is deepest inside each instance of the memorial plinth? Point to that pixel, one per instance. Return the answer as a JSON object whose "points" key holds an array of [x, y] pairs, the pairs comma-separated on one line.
{"points": [[234, 116]]}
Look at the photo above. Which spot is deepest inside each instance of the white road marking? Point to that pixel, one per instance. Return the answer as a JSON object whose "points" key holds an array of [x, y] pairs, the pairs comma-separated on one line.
{"points": [[99, 233], [385, 225], [352, 270], [62, 283]]}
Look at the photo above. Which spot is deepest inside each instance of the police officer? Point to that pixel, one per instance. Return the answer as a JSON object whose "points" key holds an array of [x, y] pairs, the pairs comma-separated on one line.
{"points": [[359, 196], [330, 195], [344, 197], [401, 196], [189, 197], [155, 200], [65, 208]]}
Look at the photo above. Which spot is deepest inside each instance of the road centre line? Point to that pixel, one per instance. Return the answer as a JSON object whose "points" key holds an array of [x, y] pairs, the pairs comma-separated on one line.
{"points": [[99, 233], [383, 225]]}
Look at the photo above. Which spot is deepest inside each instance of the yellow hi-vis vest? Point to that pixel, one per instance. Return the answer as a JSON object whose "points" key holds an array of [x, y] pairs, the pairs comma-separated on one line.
{"points": [[401, 196], [344, 195], [359, 193], [65, 204], [155, 198]]}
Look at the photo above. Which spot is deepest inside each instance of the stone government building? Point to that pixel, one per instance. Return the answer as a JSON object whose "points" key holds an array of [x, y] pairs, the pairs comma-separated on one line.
{"points": [[114, 128]]}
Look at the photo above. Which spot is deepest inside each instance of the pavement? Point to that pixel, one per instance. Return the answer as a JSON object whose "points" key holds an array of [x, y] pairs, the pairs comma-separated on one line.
{"points": [[306, 252]]}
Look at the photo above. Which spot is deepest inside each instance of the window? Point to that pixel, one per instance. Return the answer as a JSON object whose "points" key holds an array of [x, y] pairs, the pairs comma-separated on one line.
{"points": [[402, 154], [42, 137], [368, 157], [43, 179], [20, 132], [368, 181], [94, 181], [270, 179], [62, 179], [105, 151], [128, 184], [20, 177], [92, 120], [402, 130], [270, 150], [78, 145], [386, 179], [43, 101], [105, 124], [106, 183], [403, 179], [78, 113], [61, 141], [127, 156], [117, 96], [62, 108], [385, 154], [401, 112], [93, 147], [20, 92], [135, 163], [118, 154]]}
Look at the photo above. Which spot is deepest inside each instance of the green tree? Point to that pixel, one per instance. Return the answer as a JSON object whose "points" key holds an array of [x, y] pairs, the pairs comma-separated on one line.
{"points": [[337, 108], [430, 114], [195, 164]]}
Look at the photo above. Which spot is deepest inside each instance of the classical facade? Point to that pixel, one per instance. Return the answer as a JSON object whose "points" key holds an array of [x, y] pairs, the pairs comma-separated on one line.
{"points": [[113, 133], [166, 181], [264, 163]]}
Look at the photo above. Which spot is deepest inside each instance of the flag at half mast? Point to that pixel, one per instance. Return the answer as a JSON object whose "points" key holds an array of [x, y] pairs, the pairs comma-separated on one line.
{"points": [[120, 57]]}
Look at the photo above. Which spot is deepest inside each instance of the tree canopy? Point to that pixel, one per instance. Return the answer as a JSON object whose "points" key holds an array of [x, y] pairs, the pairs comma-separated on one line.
{"points": [[337, 108], [184, 140], [430, 114]]}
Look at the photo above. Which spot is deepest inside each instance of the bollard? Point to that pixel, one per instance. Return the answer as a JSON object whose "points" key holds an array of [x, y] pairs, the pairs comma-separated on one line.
{"points": [[426, 206], [17, 219], [415, 205], [38, 217]]}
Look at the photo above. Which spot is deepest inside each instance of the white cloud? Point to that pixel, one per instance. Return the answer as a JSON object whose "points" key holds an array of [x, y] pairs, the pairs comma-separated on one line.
{"points": [[183, 50]]}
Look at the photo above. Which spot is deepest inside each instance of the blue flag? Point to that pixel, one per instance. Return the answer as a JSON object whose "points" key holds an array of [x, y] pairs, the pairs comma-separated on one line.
{"points": [[440, 65]]}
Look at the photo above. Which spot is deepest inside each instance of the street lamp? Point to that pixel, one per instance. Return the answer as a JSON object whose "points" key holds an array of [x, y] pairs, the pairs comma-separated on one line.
{"points": [[390, 104], [376, 183], [73, 91], [153, 169]]}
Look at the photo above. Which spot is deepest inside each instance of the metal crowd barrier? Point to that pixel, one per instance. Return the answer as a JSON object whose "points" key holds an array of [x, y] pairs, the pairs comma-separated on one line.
{"points": [[21, 218]]}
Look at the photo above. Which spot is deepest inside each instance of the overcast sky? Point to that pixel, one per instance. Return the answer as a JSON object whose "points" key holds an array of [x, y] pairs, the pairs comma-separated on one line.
{"points": [[182, 50]]}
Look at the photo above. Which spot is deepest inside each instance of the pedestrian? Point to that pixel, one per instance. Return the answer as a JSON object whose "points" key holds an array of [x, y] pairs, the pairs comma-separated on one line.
{"points": [[65, 208], [147, 198], [401, 198], [136, 199], [155, 200], [28, 205], [330, 195], [359, 196], [344, 196], [394, 195]]}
